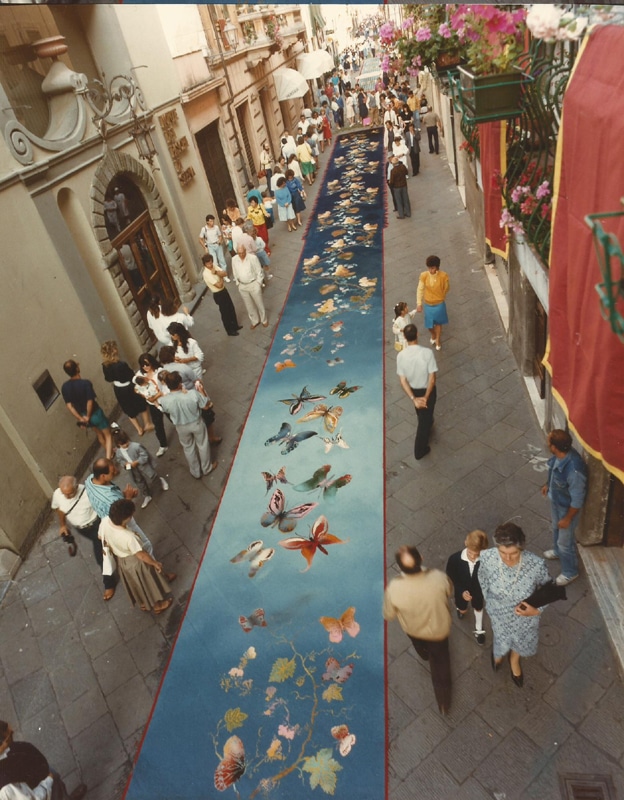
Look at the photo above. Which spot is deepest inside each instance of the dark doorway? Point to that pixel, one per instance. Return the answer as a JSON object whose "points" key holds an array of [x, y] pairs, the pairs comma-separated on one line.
{"points": [[614, 522], [215, 165], [143, 263], [539, 348], [242, 114]]}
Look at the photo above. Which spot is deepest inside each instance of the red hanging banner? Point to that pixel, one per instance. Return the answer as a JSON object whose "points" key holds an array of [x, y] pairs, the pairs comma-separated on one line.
{"points": [[585, 358], [493, 164]]}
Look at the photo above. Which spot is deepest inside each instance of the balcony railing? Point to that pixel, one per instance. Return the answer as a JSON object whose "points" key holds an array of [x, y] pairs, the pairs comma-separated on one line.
{"points": [[532, 140]]}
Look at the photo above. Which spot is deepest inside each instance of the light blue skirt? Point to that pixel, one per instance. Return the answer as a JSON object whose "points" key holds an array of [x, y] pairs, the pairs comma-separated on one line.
{"points": [[435, 315]]}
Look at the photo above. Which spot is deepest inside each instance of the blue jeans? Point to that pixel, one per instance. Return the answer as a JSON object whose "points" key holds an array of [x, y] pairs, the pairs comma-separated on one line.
{"points": [[564, 541], [216, 251]]}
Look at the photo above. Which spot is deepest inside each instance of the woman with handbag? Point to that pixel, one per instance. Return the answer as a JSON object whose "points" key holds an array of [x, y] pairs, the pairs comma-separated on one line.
{"points": [[295, 187], [257, 214], [508, 575], [141, 575]]}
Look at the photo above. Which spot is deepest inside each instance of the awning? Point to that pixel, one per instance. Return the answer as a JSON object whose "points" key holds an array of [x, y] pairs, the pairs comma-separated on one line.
{"points": [[313, 65], [289, 84]]}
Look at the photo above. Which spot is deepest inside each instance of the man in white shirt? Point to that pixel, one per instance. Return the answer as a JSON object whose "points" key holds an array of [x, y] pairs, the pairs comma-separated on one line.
{"points": [[72, 505], [248, 276], [416, 368], [211, 239]]}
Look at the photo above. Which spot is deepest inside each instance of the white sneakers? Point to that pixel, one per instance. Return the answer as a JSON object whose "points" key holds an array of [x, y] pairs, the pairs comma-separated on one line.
{"points": [[164, 484], [561, 580], [161, 451], [551, 555], [146, 501]]}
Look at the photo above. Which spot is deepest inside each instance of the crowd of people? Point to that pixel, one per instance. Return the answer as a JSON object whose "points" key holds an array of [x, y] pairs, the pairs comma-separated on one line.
{"points": [[507, 581], [504, 580]]}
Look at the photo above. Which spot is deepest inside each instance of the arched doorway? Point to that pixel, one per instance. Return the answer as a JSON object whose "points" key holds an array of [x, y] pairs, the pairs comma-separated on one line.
{"points": [[133, 235], [136, 239]]}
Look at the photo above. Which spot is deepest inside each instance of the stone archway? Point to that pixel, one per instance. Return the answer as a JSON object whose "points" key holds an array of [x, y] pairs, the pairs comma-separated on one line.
{"points": [[113, 164]]}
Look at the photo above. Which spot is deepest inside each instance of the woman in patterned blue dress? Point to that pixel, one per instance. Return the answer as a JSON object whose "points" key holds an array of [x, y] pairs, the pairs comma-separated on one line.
{"points": [[508, 575]]}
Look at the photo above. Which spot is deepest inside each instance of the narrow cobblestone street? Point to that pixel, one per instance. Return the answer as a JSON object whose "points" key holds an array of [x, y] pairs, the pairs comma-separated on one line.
{"points": [[78, 676]]}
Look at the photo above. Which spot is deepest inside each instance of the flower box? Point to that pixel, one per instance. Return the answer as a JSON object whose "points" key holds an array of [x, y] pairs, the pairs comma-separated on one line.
{"points": [[483, 98], [447, 61]]}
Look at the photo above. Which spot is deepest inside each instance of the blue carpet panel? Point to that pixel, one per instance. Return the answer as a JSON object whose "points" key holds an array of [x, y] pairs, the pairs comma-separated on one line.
{"points": [[276, 685]]}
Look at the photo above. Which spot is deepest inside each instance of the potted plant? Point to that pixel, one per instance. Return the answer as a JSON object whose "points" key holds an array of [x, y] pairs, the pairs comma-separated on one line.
{"points": [[529, 204], [428, 40], [489, 87]]}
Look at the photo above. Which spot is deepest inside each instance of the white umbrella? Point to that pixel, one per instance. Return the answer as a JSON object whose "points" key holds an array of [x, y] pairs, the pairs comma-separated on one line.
{"points": [[313, 65], [289, 83]]}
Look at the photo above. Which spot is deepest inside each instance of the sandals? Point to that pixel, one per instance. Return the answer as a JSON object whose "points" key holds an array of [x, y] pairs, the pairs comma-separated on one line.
{"points": [[167, 604]]}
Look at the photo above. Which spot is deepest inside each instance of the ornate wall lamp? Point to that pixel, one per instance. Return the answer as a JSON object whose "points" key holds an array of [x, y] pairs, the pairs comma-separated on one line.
{"points": [[611, 262], [109, 103]]}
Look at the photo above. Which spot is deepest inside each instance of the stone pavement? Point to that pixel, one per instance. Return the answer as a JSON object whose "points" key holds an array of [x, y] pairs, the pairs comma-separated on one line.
{"points": [[78, 676]]}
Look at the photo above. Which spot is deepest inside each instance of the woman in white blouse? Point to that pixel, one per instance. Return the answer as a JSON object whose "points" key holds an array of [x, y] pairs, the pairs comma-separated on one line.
{"points": [[187, 349]]}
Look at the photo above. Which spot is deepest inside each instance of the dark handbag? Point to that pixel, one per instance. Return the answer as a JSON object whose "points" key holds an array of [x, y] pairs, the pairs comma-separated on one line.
{"points": [[546, 594], [269, 223]]}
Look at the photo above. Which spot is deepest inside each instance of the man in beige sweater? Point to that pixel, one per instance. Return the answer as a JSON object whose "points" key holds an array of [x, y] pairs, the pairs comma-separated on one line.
{"points": [[419, 600]]}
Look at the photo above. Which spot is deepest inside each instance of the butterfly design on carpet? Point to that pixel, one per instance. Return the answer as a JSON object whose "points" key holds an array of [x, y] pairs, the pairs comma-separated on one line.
{"points": [[334, 672], [329, 414], [345, 739], [342, 390], [232, 765], [296, 404], [319, 539], [346, 623], [330, 441], [271, 479], [281, 365], [255, 620], [288, 439], [256, 554], [319, 480], [286, 520]]}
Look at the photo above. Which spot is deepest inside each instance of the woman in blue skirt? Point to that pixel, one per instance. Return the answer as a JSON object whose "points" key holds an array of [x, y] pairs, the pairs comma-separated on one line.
{"points": [[433, 286]]}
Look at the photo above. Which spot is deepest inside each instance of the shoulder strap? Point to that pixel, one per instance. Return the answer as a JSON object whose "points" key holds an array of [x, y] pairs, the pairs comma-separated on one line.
{"points": [[75, 503]]}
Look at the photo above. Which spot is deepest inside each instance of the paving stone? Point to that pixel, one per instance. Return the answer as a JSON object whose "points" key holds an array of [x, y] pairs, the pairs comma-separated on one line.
{"points": [[74, 572], [563, 639], [511, 766], [130, 706], [114, 668], [574, 694], [410, 680], [400, 716], [466, 746], [548, 728], [84, 711], [45, 731], [149, 650], [429, 779], [472, 790], [99, 751], [49, 614], [32, 694], [603, 724], [38, 585], [417, 741], [23, 657]]}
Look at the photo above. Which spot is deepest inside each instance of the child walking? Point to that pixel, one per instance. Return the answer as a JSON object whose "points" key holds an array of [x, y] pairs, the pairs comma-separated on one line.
{"points": [[402, 317], [135, 458], [463, 570]]}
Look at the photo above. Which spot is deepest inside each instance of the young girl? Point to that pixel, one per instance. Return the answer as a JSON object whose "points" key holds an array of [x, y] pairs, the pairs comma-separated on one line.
{"points": [[402, 317], [140, 463], [463, 570]]}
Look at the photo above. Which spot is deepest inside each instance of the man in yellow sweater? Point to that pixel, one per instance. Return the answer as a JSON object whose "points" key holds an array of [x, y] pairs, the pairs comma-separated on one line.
{"points": [[419, 600]]}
